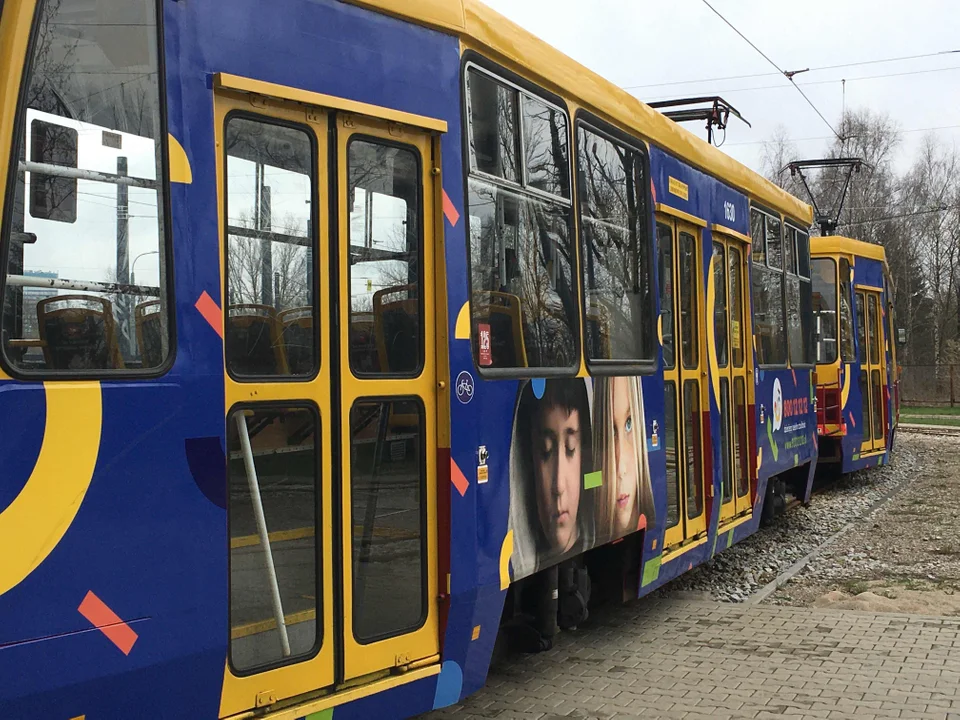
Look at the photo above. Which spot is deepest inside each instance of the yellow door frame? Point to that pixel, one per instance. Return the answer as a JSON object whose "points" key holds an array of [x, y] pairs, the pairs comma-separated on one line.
{"points": [[361, 663], [690, 527], [245, 691], [738, 503], [422, 643]]}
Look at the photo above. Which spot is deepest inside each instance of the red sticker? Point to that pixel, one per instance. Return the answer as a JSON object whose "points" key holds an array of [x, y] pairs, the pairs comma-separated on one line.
{"points": [[486, 357]]}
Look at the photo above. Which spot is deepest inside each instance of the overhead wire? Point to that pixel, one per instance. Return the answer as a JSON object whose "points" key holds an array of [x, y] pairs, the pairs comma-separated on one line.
{"points": [[902, 58], [827, 82], [779, 69]]}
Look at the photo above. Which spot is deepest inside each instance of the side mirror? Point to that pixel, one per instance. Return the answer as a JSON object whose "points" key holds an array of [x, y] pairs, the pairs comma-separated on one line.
{"points": [[901, 336]]}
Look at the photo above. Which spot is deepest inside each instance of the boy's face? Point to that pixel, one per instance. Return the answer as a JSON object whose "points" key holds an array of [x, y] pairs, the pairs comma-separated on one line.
{"points": [[557, 468]]}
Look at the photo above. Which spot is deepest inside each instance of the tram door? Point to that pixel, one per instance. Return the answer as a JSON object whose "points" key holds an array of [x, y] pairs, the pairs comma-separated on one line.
{"points": [[730, 327], [682, 320], [870, 332], [329, 330]]}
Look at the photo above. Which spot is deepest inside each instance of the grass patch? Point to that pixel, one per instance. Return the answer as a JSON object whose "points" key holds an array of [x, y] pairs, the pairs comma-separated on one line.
{"points": [[939, 410], [855, 587], [923, 420]]}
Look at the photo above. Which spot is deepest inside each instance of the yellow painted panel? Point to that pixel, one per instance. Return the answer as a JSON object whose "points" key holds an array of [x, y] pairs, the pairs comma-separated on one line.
{"points": [[225, 81], [37, 519], [442, 14], [836, 244], [716, 227], [180, 171], [692, 219]]}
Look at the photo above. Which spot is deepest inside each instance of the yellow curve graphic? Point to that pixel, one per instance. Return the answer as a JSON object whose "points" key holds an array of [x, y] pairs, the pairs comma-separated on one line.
{"points": [[506, 552], [462, 329], [845, 392], [180, 171], [37, 519], [712, 333]]}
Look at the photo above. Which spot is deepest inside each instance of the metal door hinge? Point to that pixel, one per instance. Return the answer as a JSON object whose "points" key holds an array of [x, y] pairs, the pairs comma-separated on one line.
{"points": [[266, 697], [395, 129]]}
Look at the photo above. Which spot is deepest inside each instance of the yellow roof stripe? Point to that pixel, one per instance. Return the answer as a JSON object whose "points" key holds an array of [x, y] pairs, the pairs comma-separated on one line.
{"points": [[487, 31]]}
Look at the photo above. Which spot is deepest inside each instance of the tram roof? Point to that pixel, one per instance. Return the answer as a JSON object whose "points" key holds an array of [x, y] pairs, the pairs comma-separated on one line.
{"points": [[479, 25], [840, 245]]}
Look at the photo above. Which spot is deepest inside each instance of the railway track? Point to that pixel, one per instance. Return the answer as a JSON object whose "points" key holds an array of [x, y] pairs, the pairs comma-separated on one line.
{"points": [[939, 430]]}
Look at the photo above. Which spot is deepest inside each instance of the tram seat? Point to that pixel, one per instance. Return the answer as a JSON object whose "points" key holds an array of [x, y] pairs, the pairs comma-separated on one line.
{"points": [[296, 326], [503, 312], [149, 323], [78, 332], [255, 340], [363, 350], [396, 325], [598, 326]]}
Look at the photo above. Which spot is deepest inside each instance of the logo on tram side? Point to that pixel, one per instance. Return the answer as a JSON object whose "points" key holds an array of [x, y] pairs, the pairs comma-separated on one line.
{"points": [[777, 405], [464, 387]]}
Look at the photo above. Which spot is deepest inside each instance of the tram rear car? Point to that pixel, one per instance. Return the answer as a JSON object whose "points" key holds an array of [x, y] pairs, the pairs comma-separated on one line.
{"points": [[858, 398]]}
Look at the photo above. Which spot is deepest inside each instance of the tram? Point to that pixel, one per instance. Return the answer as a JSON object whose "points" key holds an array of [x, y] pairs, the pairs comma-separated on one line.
{"points": [[338, 338], [857, 376]]}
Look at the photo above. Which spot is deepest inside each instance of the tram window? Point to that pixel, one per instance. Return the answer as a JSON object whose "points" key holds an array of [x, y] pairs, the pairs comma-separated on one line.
{"points": [[873, 329], [85, 272], [273, 462], [758, 238], [671, 446], [726, 476], [492, 110], [524, 305], [878, 405], [720, 311], [790, 250], [736, 305], [546, 162], [693, 449], [615, 250], [384, 261], [387, 491], [861, 330], [665, 241], [847, 352], [740, 445], [689, 310], [825, 309], [271, 327], [807, 342], [769, 326]]}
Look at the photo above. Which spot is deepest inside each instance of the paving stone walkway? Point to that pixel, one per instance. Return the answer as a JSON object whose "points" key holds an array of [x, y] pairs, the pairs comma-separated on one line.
{"points": [[682, 658]]}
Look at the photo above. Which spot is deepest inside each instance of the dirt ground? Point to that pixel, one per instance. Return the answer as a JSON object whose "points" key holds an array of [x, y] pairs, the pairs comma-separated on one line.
{"points": [[903, 557]]}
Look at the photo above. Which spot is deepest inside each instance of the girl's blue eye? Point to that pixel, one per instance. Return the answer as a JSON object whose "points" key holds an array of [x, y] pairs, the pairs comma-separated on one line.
{"points": [[628, 425]]}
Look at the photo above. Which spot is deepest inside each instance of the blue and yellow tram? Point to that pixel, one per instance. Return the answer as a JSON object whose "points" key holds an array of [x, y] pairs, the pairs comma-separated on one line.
{"points": [[858, 379], [338, 335]]}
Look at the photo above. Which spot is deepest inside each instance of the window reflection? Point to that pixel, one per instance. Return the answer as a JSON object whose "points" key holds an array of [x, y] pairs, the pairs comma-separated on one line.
{"points": [[825, 309], [523, 305], [720, 309], [665, 241], [523, 290], [85, 265], [615, 250], [545, 148], [385, 298], [270, 327]]}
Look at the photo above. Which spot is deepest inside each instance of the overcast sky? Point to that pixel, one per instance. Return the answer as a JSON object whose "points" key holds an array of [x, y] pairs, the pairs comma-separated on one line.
{"points": [[642, 43]]}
